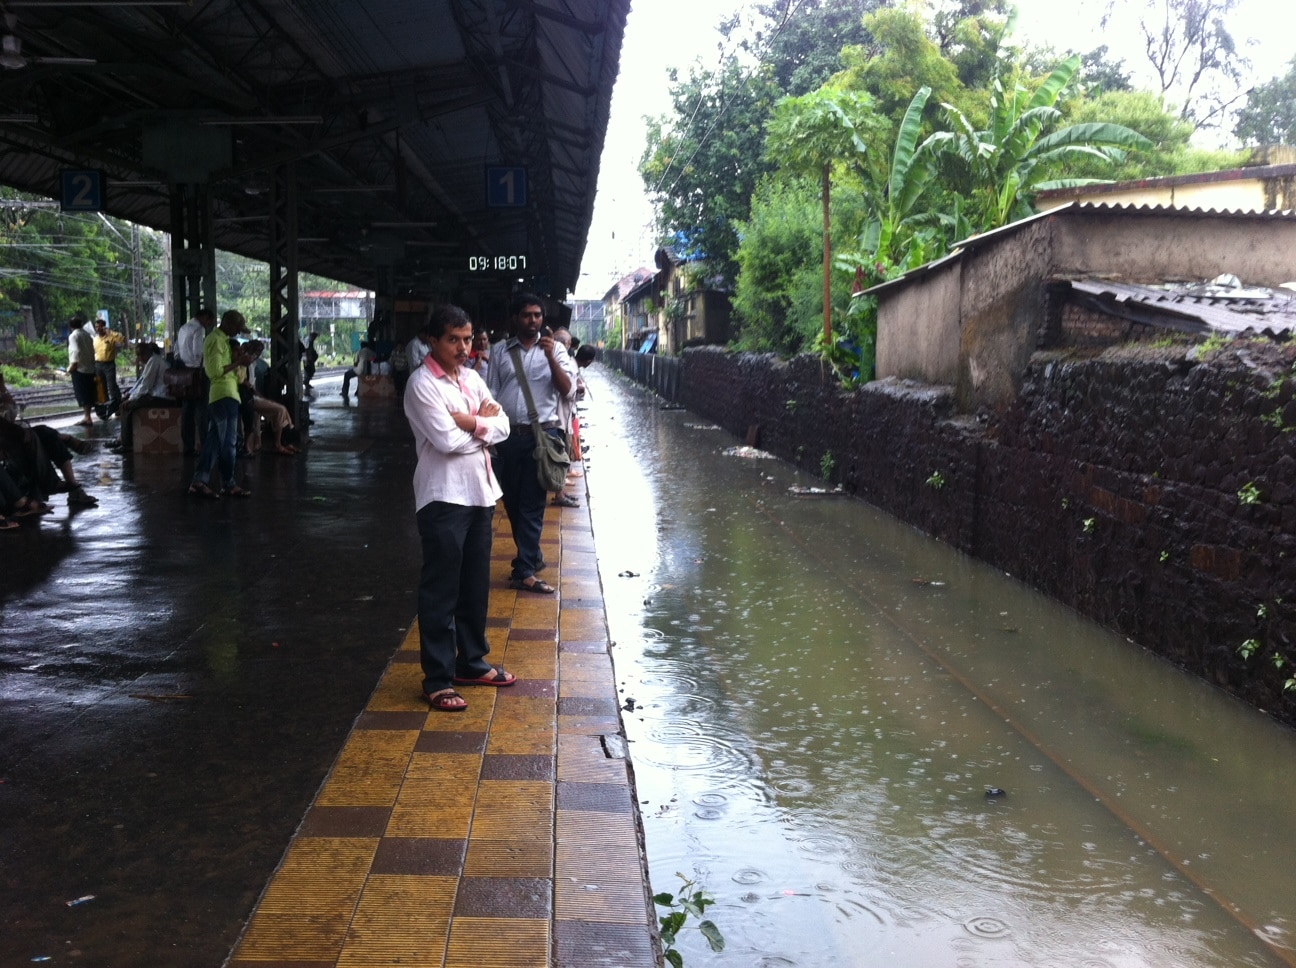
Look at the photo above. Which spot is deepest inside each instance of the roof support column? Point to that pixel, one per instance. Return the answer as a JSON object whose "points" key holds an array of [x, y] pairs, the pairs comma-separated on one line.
{"points": [[193, 254], [285, 354]]}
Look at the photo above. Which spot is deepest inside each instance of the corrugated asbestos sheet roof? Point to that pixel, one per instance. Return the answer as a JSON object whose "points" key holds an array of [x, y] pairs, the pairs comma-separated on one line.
{"points": [[390, 111], [1201, 310]]}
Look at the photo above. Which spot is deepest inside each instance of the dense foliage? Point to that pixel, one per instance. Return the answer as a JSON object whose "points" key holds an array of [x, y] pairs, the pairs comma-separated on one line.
{"points": [[928, 129]]}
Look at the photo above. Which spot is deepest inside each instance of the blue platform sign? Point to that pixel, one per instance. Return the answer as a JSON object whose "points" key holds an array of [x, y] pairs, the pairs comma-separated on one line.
{"points": [[506, 186], [81, 191]]}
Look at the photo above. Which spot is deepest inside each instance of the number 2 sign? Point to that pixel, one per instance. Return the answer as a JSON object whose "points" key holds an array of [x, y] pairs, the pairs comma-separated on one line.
{"points": [[81, 191]]}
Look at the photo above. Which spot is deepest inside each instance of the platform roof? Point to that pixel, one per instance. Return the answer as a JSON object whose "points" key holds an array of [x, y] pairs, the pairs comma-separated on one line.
{"points": [[391, 113]]}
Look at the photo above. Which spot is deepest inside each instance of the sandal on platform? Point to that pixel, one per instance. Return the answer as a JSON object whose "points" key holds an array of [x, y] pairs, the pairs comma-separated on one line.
{"points": [[198, 489], [446, 701], [496, 677], [535, 585]]}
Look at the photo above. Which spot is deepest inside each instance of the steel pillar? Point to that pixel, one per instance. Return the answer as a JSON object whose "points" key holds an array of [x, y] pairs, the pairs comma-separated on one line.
{"points": [[285, 354], [193, 254]]}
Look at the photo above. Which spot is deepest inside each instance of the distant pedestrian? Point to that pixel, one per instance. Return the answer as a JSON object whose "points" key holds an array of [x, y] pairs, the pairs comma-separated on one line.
{"points": [[106, 344], [221, 361], [189, 351], [81, 365], [363, 362], [455, 420], [149, 391]]}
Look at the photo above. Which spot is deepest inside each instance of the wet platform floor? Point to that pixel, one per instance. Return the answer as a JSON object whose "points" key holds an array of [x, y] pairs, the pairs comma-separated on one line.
{"points": [[178, 677]]}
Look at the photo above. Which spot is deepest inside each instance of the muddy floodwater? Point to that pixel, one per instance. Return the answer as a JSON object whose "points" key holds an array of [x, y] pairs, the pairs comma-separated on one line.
{"points": [[874, 751]]}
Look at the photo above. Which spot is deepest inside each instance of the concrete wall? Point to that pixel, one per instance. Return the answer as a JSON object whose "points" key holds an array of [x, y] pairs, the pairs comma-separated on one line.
{"points": [[1260, 251], [974, 320], [1115, 485], [918, 329]]}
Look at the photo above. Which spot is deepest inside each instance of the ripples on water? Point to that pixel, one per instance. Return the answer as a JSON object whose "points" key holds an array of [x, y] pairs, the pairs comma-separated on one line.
{"points": [[802, 746]]}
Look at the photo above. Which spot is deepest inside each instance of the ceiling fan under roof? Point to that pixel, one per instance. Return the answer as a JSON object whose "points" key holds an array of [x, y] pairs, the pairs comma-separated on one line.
{"points": [[11, 52]]}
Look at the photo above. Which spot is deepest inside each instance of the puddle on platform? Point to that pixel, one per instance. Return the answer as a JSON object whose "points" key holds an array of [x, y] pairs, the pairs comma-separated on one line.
{"points": [[823, 697]]}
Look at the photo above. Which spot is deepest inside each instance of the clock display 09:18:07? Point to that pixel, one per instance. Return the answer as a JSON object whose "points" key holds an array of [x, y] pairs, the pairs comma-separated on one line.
{"points": [[496, 263]]}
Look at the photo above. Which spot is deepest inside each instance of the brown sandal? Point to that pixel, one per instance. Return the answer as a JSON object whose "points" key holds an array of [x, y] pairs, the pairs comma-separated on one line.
{"points": [[537, 586], [446, 701]]}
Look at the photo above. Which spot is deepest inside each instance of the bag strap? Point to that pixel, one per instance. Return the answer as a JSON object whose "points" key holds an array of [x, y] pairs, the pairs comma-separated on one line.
{"points": [[526, 387]]}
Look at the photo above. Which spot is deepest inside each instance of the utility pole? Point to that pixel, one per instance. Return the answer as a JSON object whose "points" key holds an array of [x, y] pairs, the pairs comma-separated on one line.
{"points": [[137, 285]]}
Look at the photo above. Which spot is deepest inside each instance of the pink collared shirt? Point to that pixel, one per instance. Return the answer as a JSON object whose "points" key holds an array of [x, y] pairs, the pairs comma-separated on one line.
{"points": [[454, 466]]}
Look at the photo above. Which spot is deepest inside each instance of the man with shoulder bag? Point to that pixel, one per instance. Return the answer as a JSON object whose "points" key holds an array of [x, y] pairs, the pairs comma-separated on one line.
{"points": [[530, 364]]}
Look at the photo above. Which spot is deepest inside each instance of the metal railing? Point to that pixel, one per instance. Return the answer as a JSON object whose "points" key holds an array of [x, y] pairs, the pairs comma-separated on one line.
{"points": [[661, 374]]}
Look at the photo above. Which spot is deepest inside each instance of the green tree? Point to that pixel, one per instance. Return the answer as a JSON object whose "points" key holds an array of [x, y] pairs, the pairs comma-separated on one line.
{"points": [[805, 38], [701, 166], [59, 263], [807, 134], [1269, 115], [778, 296], [902, 58], [999, 168]]}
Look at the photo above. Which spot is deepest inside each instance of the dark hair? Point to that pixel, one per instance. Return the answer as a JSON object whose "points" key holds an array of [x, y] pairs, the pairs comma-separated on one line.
{"points": [[524, 299], [585, 354], [446, 317]]}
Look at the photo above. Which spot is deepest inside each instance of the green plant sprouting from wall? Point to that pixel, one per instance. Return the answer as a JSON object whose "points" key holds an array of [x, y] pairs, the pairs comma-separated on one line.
{"points": [[827, 464], [1248, 493], [691, 901], [935, 480]]}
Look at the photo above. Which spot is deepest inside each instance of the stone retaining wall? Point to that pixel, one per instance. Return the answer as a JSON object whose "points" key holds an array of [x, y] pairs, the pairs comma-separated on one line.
{"points": [[1149, 491]]}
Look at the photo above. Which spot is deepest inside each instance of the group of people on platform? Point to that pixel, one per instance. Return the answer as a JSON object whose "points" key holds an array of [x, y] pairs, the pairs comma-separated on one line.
{"points": [[476, 411]]}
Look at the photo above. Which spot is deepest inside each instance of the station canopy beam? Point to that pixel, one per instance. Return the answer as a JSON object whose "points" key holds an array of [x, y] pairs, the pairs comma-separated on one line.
{"points": [[389, 112]]}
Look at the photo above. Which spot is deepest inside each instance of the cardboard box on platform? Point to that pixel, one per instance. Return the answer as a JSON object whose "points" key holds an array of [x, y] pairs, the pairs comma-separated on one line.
{"points": [[157, 430]]}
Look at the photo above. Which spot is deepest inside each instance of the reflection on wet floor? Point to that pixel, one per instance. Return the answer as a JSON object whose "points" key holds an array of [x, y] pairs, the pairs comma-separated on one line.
{"points": [[176, 678], [875, 751]]}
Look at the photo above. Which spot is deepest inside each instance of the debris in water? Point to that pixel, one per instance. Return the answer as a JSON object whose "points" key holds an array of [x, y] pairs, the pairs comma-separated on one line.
{"points": [[627, 574], [928, 581], [629, 704], [994, 792], [803, 491], [80, 900], [751, 453]]}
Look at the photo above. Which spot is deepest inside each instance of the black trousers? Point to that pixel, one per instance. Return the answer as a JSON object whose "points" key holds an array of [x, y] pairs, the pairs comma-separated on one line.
{"points": [[453, 593]]}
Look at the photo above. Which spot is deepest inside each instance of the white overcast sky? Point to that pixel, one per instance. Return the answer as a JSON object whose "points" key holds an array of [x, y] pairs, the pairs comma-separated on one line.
{"points": [[662, 33]]}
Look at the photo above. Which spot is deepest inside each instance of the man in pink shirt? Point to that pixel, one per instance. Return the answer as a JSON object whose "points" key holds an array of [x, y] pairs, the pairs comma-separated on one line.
{"points": [[455, 420]]}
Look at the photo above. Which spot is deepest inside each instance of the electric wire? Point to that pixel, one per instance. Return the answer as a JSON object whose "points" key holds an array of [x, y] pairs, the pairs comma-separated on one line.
{"points": [[724, 108]]}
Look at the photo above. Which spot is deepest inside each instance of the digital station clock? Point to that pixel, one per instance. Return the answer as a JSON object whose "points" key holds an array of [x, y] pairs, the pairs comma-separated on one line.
{"points": [[497, 263]]}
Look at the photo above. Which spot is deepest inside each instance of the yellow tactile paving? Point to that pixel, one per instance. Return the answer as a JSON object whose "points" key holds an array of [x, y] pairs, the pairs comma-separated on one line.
{"points": [[458, 847], [582, 759], [498, 943], [370, 769], [401, 920], [306, 910], [431, 801]]}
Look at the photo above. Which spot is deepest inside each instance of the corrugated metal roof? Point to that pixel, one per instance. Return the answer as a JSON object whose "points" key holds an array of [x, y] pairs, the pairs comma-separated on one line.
{"points": [[1200, 309]]}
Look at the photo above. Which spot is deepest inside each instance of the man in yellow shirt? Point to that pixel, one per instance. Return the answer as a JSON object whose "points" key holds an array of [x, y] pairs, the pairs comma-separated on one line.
{"points": [[221, 360], [106, 344]]}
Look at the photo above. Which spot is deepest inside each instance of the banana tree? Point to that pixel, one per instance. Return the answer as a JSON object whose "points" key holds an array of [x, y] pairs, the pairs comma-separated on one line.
{"points": [[1001, 168]]}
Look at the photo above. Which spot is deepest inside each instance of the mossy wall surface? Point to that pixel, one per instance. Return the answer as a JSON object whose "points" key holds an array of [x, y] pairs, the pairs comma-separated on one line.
{"points": [[1150, 490]]}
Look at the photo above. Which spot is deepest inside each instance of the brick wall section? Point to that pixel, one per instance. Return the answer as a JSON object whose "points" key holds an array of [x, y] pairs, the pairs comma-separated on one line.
{"points": [[1112, 485]]}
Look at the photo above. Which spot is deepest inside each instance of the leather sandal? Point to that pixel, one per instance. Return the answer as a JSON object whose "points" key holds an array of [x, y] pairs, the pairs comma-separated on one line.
{"points": [[537, 585], [446, 701]]}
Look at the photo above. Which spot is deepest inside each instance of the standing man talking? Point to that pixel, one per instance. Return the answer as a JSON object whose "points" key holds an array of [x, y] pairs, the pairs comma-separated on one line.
{"points": [[551, 376], [454, 420]]}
